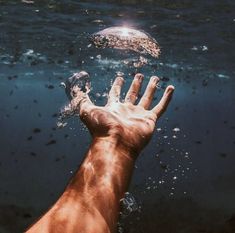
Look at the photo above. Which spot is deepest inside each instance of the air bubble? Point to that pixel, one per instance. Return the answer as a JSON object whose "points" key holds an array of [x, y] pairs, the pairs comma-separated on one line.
{"points": [[119, 74], [128, 205], [176, 129], [126, 39]]}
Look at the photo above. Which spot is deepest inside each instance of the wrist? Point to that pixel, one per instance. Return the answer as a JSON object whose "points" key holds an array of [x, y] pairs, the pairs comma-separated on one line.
{"points": [[113, 163], [117, 146]]}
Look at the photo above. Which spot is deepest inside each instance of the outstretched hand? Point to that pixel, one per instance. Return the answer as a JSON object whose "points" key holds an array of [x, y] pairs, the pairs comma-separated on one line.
{"points": [[119, 130], [126, 123]]}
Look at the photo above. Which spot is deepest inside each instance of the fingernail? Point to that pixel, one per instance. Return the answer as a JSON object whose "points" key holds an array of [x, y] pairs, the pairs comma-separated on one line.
{"points": [[120, 79], [139, 77], [170, 89], [154, 79]]}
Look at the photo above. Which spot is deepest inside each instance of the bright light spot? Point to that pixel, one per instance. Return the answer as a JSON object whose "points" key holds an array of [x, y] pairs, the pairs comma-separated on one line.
{"points": [[125, 31], [204, 48], [176, 129]]}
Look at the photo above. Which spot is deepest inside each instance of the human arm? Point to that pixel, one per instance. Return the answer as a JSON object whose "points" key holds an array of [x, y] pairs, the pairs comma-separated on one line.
{"points": [[120, 130]]}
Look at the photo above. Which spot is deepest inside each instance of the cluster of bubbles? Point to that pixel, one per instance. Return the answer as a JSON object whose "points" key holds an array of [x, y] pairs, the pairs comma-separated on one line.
{"points": [[128, 205], [29, 57], [176, 164], [79, 80]]}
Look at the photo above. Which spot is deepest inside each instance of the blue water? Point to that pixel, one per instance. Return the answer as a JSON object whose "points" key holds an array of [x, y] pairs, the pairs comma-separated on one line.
{"points": [[184, 179]]}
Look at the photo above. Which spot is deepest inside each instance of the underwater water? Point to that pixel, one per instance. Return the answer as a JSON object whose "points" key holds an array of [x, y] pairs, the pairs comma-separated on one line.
{"points": [[184, 179]]}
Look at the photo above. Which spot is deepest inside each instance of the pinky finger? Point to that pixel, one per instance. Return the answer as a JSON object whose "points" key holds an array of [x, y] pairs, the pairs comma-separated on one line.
{"points": [[161, 107]]}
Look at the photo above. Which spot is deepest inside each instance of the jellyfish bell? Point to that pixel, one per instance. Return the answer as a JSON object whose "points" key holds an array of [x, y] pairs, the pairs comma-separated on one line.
{"points": [[125, 38]]}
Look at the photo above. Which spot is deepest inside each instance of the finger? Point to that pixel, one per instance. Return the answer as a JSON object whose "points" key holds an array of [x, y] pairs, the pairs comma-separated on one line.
{"points": [[163, 103], [114, 94], [134, 89], [147, 98]]}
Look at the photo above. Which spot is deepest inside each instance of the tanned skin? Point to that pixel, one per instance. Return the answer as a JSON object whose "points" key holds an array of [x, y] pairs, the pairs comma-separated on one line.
{"points": [[120, 130]]}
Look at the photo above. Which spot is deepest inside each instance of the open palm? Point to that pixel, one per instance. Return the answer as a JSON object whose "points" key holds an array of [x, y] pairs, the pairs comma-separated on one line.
{"points": [[128, 123]]}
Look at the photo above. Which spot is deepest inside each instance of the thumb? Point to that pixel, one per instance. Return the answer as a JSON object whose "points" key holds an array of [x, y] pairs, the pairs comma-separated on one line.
{"points": [[80, 102]]}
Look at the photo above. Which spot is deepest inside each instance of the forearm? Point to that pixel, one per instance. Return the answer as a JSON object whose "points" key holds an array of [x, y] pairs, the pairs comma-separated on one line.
{"points": [[104, 176], [90, 202]]}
